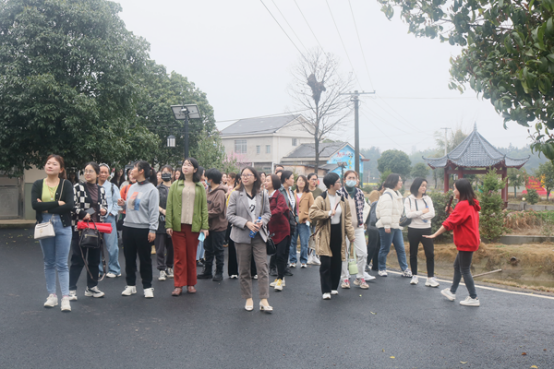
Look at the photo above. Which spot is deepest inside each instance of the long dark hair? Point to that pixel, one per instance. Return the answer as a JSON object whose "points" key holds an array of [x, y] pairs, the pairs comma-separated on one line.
{"points": [[257, 183], [392, 181], [414, 188], [196, 175], [306, 186], [149, 172], [466, 191]]}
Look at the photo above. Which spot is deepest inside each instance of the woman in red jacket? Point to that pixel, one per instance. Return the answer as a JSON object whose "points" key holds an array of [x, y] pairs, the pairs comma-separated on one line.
{"points": [[464, 221], [278, 227]]}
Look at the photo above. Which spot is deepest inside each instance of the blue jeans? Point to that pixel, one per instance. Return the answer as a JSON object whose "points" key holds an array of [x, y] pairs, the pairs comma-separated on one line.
{"points": [[394, 237], [55, 253], [304, 231], [112, 247]]}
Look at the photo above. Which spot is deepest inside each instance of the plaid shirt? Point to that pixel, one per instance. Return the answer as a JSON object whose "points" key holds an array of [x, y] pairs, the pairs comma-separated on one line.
{"points": [[84, 202], [359, 199]]}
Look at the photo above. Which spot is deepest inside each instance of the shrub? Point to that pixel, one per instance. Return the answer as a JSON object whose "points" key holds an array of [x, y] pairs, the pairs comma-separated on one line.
{"points": [[439, 203], [367, 189], [492, 217], [532, 196]]}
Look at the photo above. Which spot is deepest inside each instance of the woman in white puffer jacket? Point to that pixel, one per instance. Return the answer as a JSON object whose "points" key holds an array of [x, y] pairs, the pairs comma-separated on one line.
{"points": [[389, 210]]}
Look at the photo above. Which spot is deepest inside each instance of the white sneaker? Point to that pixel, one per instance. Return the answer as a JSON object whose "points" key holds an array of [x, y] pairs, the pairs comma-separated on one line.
{"points": [[169, 273], [414, 280], [51, 301], [292, 265], [345, 283], [162, 276], [432, 282], [129, 290], [407, 273], [66, 306], [368, 277], [470, 302], [149, 293], [279, 285], [72, 295], [113, 275], [303, 265], [316, 261], [449, 295], [272, 284], [234, 276], [327, 296], [255, 277], [94, 292], [383, 273], [334, 292]]}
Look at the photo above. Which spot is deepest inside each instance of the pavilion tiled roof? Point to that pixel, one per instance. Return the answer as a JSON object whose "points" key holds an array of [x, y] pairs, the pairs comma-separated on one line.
{"points": [[475, 152]]}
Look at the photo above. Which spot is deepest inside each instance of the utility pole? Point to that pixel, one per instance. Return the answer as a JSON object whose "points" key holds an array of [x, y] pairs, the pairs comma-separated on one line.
{"points": [[445, 140], [355, 97]]}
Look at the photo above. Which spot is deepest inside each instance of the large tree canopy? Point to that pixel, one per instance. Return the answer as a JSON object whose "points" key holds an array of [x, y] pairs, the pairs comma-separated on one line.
{"points": [[75, 82], [395, 161], [507, 55]]}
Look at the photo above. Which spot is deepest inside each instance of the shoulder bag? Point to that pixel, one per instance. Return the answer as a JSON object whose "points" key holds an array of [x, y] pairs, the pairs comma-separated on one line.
{"points": [[46, 229], [91, 238], [404, 220]]}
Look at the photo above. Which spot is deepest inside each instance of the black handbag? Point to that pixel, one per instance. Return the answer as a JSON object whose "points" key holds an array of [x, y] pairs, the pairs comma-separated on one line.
{"points": [[90, 238], [404, 220]]}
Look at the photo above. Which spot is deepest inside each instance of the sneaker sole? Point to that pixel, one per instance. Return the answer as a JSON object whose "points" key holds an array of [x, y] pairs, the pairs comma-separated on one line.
{"points": [[50, 306], [448, 297], [430, 285], [470, 305], [88, 294], [413, 284]]}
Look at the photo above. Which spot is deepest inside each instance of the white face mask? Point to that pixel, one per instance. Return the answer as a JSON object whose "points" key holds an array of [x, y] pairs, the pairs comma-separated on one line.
{"points": [[351, 183]]}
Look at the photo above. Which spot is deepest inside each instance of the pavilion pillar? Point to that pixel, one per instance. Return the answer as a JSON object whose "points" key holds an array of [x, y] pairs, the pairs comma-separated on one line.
{"points": [[505, 189], [446, 180], [460, 173]]}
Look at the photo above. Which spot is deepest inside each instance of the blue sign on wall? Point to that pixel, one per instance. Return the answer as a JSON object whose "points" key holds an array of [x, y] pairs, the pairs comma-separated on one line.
{"points": [[346, 155]]}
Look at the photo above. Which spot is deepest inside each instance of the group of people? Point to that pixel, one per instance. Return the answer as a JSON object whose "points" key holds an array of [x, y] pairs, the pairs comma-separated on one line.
{"points": [[192, 212]]}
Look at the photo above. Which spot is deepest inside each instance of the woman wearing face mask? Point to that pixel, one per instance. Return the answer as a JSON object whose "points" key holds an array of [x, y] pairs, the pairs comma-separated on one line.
{"points": [[356, 200], [53, 199], [388, 211], [164, 245], [419, 208], [88, 195], [139, 228], [186, 216], [304, 201]]}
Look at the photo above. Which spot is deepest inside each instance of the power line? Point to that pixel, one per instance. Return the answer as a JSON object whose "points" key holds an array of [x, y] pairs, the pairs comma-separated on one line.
{"points": [[384, 134], [282, 15], [342, 42], [395, 112], [282, 29], [387, 121], [308, 24], [360, 42]]}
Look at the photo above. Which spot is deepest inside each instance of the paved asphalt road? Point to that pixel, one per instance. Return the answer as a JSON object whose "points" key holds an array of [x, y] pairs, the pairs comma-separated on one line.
{"points": [[391, 325]]}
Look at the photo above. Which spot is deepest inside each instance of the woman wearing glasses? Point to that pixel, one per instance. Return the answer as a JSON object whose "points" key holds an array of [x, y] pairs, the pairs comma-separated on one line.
{"points": [[248, 211], [185, 218]]}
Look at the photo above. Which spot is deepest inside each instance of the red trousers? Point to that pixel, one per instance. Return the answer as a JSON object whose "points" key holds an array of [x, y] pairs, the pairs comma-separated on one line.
{"points": [[185, 244]]}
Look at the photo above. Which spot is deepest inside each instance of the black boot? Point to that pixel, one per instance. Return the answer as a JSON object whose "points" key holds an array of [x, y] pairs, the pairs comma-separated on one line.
{"points": [[207, 273], [218, 277]]}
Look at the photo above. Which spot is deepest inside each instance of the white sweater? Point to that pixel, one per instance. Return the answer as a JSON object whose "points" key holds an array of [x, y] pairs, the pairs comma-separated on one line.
{"points": [[389, 210], [413, 208]]}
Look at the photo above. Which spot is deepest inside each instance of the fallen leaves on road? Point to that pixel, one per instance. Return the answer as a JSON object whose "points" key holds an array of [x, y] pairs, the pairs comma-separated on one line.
{"points": [[523, 354], [374, 314], [463, 362], [392, 357], [534, 366]]}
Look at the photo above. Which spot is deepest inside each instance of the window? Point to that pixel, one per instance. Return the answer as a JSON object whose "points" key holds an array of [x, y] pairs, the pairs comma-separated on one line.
{"points": [[268, 149], [258, 149], [294, 142], [240, 146]]}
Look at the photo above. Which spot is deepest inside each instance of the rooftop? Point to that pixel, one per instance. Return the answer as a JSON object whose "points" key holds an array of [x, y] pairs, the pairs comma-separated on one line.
{"points": [[256, 126], [475, 152], [308, 150]]}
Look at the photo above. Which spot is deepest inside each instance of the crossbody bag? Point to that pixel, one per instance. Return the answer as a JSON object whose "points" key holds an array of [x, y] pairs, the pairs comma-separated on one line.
{"points": [[46, 229]]}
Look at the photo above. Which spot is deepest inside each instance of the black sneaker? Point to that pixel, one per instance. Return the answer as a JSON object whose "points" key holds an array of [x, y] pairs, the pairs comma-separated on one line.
{"points": [[204, 276], [273, 272], [288, 273], [218, 277]]}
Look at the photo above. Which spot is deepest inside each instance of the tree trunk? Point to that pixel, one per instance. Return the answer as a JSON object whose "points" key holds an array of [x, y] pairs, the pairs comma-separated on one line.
{"points": [[316, 139]]}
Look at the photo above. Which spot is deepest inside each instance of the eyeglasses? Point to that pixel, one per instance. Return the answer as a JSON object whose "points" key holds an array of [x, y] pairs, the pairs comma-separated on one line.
{"points": [[247, 175], [90, 172]]}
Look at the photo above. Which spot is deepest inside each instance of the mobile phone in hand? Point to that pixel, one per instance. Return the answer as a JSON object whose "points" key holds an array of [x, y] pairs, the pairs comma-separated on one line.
{"points": [[90, 211]]}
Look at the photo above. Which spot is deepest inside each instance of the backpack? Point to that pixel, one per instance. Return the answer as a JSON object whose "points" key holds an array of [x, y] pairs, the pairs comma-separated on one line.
{"points": [[372, 218]]}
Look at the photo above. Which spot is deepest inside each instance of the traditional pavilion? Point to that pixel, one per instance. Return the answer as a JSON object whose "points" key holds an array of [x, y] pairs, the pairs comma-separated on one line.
{"points": [[475, 155]]}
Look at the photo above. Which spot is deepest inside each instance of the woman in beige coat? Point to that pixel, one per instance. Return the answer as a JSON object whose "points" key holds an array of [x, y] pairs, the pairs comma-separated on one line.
{"points": [[334, 224]]}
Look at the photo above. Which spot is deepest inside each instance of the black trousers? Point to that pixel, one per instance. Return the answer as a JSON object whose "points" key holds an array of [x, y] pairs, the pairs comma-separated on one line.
{"points": [[164, 251], [282, 256], [78, 263], [273, 258], [373, 247], [415, 236], [213, 248], [232, 263], [135, 242], [330, 269]]}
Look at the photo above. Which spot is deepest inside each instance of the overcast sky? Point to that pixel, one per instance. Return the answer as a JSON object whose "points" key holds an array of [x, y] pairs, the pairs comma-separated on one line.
{"points": [[236, 53]]}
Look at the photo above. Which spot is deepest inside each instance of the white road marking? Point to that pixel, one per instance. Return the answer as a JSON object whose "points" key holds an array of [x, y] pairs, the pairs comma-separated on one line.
{"points": [[492, 288]]}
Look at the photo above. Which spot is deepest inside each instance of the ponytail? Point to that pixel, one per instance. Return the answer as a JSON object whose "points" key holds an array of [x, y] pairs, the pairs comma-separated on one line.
{"points": [[149, 173]]}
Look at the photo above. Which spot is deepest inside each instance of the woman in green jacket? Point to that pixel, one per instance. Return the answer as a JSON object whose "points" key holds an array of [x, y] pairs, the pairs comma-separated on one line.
{"points": [[186, 217]]}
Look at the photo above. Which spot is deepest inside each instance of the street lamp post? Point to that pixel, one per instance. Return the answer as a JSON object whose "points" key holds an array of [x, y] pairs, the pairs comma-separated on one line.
{"points": [[185, 112]]}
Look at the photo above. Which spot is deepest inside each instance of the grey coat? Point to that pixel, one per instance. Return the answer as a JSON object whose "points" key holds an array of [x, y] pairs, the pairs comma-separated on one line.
{"points": [[238, 214]]}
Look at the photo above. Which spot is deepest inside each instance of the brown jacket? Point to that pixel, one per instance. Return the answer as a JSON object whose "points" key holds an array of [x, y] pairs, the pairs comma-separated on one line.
{"points": [[306, 202], [320, 211], [217, 209]]}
